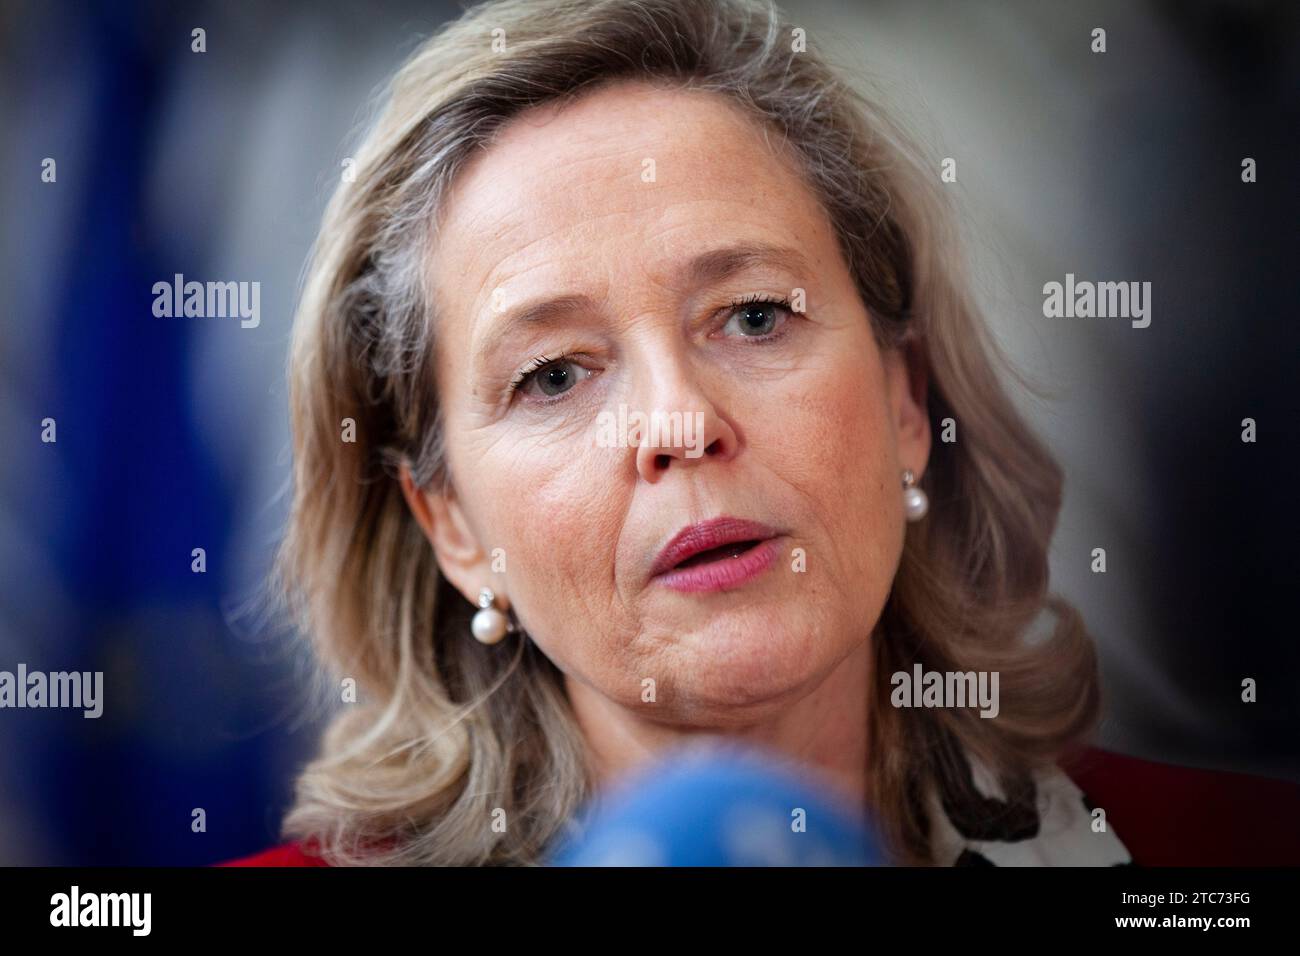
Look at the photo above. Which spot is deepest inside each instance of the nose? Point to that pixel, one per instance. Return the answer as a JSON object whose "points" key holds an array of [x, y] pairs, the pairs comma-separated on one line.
{"points": [[681, 422]]}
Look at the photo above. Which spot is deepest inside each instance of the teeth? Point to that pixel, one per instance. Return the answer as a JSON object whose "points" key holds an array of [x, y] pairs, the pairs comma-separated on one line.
{"points": [[733, 550]]}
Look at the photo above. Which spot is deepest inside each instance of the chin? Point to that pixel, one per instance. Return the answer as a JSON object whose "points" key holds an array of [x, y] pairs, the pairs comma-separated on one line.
{"points": [[742, 660]]}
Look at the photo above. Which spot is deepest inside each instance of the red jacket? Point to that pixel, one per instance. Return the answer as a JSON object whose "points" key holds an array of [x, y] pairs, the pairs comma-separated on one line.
{"points": [[1164, 814]]}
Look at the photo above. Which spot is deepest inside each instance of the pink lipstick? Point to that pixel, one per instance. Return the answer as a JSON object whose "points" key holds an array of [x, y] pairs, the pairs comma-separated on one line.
{"points": [[716, 555]]}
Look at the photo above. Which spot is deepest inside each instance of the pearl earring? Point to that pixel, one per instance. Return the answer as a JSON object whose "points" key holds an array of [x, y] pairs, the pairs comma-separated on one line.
{"points": [[489, 625], [915, 502]]}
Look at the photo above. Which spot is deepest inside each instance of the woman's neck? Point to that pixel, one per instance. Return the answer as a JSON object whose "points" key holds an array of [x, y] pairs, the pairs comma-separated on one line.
{"points": [[823, 727]]}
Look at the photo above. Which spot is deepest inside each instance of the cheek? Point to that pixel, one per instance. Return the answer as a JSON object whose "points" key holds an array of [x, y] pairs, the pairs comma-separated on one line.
{"points": [[559, 519], [830, 437]]}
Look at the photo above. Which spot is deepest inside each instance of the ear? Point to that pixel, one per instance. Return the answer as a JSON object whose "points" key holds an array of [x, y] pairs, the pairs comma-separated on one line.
{"points": [[460, 555], [907, 383]]}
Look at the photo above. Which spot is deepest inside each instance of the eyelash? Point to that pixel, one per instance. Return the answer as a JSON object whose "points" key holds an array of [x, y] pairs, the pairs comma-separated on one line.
{"points": [[781, 302], [525, 374]]}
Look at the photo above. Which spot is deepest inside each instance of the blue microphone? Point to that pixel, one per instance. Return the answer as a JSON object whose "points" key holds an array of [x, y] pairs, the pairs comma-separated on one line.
{"points": [[718, 804]]}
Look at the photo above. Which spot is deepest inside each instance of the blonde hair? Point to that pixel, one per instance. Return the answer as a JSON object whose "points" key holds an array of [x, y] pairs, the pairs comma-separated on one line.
{"points": [[446, 730]]}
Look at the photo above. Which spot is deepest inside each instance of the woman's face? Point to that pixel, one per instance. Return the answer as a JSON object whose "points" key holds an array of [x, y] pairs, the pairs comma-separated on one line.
{"points": [[638, 218]]}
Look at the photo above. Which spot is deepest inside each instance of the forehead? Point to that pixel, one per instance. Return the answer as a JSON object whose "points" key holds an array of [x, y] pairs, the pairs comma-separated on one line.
{"points": [[566, 192]]}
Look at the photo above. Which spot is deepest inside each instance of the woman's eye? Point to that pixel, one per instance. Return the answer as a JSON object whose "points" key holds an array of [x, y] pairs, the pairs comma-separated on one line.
{"points": [[755, 319], [552, 379]]}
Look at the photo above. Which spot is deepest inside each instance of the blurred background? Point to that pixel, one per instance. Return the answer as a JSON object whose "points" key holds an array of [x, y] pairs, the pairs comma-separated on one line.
{"points": [[172, 433]]}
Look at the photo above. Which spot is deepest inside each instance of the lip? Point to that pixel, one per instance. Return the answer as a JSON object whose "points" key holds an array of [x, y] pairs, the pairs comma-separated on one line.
{"points": [[722, 573]]}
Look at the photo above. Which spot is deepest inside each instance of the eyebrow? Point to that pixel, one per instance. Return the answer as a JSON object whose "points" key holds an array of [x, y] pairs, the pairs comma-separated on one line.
{"points": [[707, 268]]}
